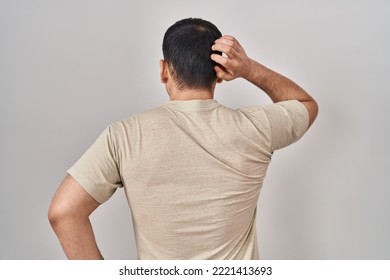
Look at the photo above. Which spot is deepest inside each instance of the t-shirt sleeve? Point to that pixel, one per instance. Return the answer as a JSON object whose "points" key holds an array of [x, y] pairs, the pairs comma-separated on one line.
{"points": [[287, 121], [97, 170]]}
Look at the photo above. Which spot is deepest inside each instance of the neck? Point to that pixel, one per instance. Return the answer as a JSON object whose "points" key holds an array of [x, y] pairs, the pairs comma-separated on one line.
{"points": [[191, 94]]}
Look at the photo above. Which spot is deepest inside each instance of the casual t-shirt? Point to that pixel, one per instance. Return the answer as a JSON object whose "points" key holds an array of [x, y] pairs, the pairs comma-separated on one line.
{"points": [[192, 172]]}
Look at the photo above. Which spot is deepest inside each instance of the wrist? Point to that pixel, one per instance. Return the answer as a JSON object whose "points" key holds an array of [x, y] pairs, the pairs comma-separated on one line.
{"points": [[252, 71]]}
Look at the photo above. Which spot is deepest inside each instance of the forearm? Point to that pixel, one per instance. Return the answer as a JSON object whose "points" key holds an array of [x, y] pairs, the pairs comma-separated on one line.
{"points": [[77, 238], [238, 64], [276, 86], [280, 88]]}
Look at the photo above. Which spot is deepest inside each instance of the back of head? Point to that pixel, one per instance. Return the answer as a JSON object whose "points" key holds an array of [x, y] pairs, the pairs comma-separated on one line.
{"points": [[187, 50]]}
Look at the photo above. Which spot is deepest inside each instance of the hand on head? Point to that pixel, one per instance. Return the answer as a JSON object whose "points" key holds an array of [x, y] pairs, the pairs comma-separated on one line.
{"points": [[235, 64]]}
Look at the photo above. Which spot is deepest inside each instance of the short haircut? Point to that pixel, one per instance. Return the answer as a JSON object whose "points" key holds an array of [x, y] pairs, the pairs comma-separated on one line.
{"points": [[187, 50]]}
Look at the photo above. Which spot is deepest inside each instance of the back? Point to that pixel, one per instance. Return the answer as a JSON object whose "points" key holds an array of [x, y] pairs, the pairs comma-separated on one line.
{"points": [[192, 173]]}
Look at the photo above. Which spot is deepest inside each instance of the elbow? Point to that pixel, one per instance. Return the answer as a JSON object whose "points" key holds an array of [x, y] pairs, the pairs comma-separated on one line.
{"points": [[54, 215], [59, 214], [315, 111], [312, 108], [70, 205]]}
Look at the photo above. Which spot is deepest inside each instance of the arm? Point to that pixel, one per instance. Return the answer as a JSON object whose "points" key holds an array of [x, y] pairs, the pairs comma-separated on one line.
{"points": [[277, 87], [69, 216]]}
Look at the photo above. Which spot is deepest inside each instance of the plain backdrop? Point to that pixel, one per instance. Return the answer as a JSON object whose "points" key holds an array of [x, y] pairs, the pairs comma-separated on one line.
{"points": [[70, 68]]}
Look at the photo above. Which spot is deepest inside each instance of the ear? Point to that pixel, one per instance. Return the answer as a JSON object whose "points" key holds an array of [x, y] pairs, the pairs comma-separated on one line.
{"points": [[219, 80], [163, 71]]}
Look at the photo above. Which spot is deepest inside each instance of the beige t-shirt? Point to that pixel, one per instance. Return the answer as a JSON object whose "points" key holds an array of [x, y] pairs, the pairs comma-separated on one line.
{"points": [[192, 172]]}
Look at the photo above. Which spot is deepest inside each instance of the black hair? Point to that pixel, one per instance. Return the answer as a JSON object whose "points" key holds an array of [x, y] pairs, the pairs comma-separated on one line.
{"points": [[187, 50]]}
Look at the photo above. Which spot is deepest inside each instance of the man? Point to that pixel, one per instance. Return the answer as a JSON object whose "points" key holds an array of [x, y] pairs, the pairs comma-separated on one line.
{"points": [[192, 169]]}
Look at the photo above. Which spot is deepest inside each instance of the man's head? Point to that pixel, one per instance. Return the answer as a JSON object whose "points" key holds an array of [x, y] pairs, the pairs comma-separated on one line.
{"points": [[187, 50]]}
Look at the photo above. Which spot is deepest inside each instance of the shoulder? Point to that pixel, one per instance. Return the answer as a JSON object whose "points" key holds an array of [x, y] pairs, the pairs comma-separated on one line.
{"points": [[136, 121], [288, 113], [256, 114], [285, 121]]}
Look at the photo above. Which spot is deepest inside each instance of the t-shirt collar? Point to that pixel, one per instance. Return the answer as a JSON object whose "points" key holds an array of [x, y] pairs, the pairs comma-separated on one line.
{"points": [[193, 105]]}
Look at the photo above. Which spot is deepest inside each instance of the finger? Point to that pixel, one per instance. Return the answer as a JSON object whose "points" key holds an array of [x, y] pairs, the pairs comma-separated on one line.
{"points": [[219, 59], [229, 37], [228, 40], [221, 73], [229, 51], [224, 41]]}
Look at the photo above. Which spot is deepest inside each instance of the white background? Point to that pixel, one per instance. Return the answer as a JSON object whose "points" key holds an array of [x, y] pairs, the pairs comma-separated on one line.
{"points": [[69, 68]]}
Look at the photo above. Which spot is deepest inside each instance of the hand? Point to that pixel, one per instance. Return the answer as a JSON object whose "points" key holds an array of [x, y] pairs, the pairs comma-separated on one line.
{"points": [[238, 64], [235, 64]]}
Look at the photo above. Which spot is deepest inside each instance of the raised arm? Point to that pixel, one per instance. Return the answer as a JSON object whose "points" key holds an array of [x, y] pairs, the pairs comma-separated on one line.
{"points": [[277, 87], [69, 216]]}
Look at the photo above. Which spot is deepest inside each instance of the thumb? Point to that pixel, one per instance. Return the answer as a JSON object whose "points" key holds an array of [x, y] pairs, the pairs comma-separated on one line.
{"points": [[221, 73]]}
